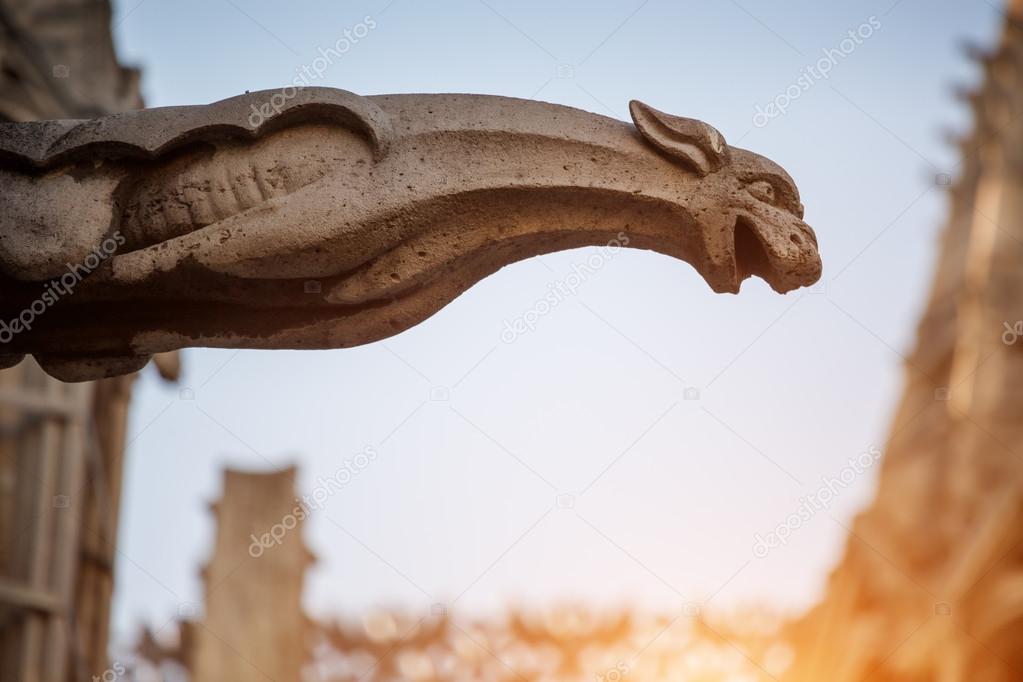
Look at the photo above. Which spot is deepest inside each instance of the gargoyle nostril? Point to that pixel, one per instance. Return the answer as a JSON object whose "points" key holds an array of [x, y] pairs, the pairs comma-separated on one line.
{"points": [[796, 239]]}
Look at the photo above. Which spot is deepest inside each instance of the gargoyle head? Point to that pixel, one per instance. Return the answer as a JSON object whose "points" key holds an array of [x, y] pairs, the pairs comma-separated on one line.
{"points": [[747, 206]]}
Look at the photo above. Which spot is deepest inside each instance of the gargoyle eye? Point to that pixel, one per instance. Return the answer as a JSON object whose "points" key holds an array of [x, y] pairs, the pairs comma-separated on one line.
{"points": [[763, 190]]}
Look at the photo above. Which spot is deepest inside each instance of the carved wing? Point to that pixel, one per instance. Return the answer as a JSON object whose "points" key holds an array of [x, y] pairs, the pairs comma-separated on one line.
{"points": [[151, 133], [39, 237]]}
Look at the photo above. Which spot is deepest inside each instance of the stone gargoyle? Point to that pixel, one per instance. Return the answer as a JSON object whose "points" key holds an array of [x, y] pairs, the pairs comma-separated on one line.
{"points": [[317, 218]]}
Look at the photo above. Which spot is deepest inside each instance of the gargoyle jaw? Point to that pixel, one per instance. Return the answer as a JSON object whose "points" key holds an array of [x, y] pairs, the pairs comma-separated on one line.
{"points": [[782, 253]]}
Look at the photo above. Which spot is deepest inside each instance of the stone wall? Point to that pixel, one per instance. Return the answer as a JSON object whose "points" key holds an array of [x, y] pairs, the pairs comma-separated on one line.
{"points": [[61, 448]]}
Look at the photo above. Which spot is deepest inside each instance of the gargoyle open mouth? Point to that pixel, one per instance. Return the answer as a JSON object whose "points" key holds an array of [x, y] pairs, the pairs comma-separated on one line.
{"points": [[750, 255], [779, 248]]}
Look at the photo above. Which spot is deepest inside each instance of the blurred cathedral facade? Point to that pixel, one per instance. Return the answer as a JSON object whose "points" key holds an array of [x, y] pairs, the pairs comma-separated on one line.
{"points": [[61, 445], [931, 585]]}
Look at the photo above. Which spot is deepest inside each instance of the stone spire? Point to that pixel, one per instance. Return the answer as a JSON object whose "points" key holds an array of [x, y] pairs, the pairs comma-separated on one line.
{"points": [[928, 588]]}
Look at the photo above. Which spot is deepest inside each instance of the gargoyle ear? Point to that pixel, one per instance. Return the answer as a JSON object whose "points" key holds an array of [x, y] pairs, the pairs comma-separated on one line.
{"points": [[686, 139]]}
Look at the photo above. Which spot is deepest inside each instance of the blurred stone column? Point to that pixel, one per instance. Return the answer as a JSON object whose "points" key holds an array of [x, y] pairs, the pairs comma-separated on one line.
{"points": [[253, 627]]}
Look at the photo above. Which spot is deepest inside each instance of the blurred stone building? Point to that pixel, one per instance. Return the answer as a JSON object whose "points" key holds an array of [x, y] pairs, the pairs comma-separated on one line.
{"points": [[931, 586], [61, 445]]}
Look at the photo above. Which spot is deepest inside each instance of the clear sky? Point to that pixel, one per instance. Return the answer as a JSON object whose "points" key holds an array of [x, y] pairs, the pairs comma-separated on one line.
{"points": [[477, 437]]}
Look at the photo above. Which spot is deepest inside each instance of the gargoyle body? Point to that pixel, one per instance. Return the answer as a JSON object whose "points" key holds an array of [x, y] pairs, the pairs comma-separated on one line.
{"points": [[324, 219]]}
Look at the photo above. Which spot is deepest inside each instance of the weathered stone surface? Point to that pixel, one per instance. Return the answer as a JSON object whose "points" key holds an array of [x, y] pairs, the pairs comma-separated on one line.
{"points": [[316, 218]]}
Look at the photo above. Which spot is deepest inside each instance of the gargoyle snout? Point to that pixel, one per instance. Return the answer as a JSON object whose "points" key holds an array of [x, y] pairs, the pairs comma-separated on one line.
{"points": [[778, 247]]}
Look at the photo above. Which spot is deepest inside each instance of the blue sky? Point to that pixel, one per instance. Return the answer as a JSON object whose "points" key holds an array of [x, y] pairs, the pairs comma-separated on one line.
{"points": [[668, 493]]}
